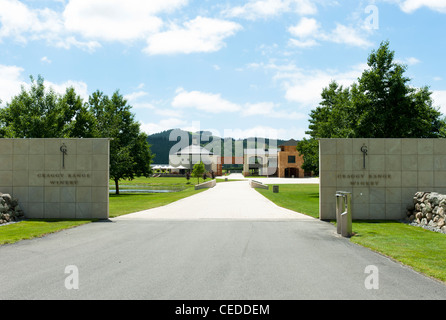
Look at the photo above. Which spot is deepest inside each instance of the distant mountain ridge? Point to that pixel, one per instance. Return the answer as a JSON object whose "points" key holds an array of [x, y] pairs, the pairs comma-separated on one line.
{"points": [[160, 143]]}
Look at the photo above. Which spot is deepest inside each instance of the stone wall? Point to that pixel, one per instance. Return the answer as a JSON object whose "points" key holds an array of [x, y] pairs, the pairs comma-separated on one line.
{"points": [[382, 174], [57, 178], [428, 210]]}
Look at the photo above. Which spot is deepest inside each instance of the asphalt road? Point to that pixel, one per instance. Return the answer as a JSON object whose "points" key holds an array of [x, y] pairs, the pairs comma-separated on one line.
{"points": [[204, 259]]}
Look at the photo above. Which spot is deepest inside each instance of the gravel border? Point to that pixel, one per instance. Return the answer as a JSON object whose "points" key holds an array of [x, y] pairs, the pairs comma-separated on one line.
{"points": [[427, 227]]}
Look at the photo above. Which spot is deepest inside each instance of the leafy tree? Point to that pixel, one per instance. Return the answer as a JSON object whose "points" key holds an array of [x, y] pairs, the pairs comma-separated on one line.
{"points": [[382, 104], [129, 151], [388, 106], [199, 170], [309, 150], [41, 113]]}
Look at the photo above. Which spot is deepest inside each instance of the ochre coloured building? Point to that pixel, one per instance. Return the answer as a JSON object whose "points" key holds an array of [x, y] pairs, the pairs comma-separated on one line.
{"points": [[289, 161]]}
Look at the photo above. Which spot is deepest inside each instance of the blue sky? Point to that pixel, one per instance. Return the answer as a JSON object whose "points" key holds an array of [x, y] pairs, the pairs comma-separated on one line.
{"points": [[237, 68]]}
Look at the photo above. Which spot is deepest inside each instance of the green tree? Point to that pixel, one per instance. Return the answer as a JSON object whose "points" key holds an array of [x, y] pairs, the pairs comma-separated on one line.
{"points": [[309, 150], [388, 106], [382, 104], [198, 170], [129, 151], [41, 113]]}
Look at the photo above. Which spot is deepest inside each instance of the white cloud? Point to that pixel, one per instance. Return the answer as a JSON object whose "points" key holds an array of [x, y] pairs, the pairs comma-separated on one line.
{"points": [[117, 20], [408, 61], [308, 32], [270, 8], [45, 60], [165, 124], [198, 35], [439, 98], [80, 87], [83, 23], [305, 28], [208, 102], [305, 86], [68, 42], [410, 6], [302, 43], [267, 132], [270, 110], [262, 108], [135, 96], [348, 35], [10, 82], [20, 22]]}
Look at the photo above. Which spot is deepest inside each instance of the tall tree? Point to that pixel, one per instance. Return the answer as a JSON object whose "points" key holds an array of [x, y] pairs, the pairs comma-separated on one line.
{"points": [[41, 113], [388, 106], [129, 151], [382, 104]]}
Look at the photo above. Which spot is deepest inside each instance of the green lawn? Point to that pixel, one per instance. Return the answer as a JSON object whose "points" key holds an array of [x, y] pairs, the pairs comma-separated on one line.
{"points": [[422, 250], [303, 198], [128, 203], [35, 228]]}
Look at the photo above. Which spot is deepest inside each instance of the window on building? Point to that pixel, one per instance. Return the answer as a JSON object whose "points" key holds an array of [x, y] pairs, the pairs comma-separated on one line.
{"points": [[291, 159]]}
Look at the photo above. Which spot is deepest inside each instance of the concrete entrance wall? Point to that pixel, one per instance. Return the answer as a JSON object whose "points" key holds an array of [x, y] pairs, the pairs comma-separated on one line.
{"points": [[382, 174], [57, 178]]}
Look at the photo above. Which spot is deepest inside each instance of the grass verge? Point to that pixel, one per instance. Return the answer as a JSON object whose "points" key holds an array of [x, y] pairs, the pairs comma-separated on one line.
{"points": [[422, 250], [35, 228], [302, 198], [129, 203]]}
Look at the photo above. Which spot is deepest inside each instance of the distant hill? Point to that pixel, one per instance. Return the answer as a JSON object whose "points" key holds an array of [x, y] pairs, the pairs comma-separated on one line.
{"points": [[160, 145]]}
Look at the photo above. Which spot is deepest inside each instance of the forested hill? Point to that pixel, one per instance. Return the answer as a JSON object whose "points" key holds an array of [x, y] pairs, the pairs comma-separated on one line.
{"points": [[160, 145]]}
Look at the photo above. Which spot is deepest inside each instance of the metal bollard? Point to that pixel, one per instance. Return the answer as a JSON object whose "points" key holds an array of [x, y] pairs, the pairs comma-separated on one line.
{"points": [[343, 213]]}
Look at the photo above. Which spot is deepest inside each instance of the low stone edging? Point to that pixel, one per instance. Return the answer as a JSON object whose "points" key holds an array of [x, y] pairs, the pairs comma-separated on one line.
{"points": [[428, 211], [10, 210], [208, 184], [257, 184]]}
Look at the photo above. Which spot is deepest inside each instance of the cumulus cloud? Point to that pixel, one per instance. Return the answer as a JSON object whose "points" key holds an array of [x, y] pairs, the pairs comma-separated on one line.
{"points": [[203, 101], [198, 35], [83, 24], [305, 86], [439, 99], [256, 9], [270, 110], [163, 125], [116, 20], [308, 32], [20, 22], [306, 27], [410, 6], [12, 80]]}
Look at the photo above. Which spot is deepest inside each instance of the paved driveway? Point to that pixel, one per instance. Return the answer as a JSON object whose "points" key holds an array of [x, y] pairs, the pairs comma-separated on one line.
{"points": [[233, 200], [233, 253]]}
